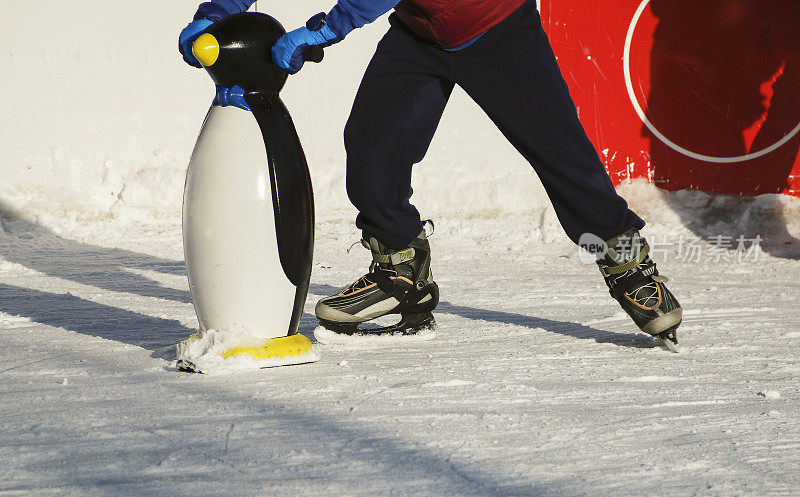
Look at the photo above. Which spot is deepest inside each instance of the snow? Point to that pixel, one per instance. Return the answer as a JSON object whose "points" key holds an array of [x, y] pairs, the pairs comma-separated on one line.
{"points": [[536, 383]]}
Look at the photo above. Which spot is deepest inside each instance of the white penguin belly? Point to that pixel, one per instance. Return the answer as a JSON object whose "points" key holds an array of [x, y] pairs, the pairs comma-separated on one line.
{"points": [[230, 243]]}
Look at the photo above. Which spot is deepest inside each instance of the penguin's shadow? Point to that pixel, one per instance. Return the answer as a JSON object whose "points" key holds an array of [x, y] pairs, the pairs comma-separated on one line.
{"points": [[112, 269], [91, 318]]}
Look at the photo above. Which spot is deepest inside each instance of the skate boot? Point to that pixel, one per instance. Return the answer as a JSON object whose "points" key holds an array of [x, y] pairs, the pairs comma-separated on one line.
{"points": [[633, 280], [398, 282]]}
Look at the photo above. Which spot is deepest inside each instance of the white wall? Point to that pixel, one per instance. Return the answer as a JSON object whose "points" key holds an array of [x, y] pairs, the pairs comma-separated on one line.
{"points": [[100, 114]]}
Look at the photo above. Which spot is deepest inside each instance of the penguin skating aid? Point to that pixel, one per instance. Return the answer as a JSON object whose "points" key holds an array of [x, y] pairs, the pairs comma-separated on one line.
{"points": [[248, 213]]}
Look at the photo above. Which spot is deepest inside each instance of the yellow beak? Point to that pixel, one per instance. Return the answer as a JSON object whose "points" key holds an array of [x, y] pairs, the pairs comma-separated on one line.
{"points": [[206, 49]]}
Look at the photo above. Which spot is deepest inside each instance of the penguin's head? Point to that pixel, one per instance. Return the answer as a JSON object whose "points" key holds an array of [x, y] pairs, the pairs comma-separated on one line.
{"points": [[237, 50]]}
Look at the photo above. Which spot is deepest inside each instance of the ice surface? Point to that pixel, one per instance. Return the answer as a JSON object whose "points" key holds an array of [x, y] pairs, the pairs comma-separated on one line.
{"points": [[536, 383]]}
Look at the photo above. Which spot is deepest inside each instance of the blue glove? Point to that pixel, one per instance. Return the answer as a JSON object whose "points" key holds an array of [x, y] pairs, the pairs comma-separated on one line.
{"points": [[187, 37], [288, 50]]}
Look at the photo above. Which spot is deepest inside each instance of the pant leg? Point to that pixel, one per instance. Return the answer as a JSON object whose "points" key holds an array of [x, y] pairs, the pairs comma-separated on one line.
{"points": [[512, 74], [395, 114]]}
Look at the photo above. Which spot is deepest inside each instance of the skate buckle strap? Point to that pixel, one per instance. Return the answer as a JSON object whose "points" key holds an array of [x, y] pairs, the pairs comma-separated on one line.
{"points": [[622, 268], [394, 258], [396, 286]]}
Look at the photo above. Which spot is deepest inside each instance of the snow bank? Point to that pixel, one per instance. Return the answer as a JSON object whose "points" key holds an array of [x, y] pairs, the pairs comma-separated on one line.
{"points": [[775, 218]]}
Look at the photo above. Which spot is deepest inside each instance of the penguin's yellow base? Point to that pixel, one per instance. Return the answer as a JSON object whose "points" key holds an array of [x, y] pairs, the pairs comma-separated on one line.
{"points": [[274, 348], [207, 352]]}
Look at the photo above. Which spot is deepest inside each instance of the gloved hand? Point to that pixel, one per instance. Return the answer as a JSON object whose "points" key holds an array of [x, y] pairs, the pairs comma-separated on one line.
{"points": [[189, 34], [288, 50]]}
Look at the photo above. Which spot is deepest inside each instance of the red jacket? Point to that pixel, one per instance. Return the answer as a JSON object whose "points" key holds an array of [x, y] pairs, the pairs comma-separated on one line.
{"points": [[450, 23]]}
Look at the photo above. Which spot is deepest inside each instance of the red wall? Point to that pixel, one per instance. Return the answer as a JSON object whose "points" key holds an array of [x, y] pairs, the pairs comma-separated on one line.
{"points": [[718, 80]]}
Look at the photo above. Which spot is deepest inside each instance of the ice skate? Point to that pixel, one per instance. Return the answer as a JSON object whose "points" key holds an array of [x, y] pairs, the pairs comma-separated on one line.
{"points": [[398, 282], [633, 280]]}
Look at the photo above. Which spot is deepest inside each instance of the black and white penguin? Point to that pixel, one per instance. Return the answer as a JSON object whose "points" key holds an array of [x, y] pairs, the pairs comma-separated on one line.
{"points": [[248, 207]]}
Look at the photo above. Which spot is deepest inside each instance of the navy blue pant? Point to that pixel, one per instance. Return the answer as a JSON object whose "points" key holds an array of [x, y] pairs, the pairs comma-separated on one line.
{"points": [[511, 73]]}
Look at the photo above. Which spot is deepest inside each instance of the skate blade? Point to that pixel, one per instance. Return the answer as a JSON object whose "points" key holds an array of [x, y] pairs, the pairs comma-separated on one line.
{"points": [[282, 351], [668, 340], [408, 330]]}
